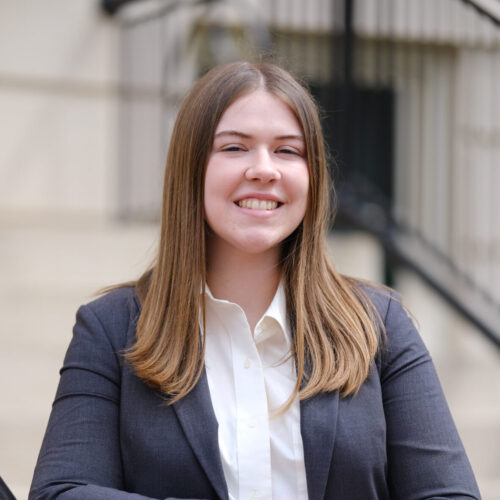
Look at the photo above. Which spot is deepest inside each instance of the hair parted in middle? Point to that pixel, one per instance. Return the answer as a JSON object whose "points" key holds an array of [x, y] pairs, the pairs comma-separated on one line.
{"points": [[335, 328]]}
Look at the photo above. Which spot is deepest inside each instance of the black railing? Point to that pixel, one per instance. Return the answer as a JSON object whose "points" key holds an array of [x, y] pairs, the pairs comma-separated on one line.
{"points": [[427, 190], [493, 17], [111, 7], [408, 90]]}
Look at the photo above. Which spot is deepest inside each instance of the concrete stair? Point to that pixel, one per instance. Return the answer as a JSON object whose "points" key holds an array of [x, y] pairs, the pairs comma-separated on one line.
{"points": [[48, 267]]}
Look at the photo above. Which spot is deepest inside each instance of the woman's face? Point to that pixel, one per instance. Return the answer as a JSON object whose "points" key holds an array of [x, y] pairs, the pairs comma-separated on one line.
{"points": [[257, 178]]}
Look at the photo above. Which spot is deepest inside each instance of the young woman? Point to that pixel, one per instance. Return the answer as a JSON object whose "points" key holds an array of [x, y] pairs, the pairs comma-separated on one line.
{"points": [[242, 365]]}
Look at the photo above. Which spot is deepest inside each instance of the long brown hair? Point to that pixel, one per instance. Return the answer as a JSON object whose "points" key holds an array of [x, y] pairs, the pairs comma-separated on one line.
{"points": [[335, 327]]}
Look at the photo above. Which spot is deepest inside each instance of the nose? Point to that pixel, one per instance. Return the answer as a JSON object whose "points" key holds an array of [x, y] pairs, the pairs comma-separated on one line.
{"points": [[262, 168]]}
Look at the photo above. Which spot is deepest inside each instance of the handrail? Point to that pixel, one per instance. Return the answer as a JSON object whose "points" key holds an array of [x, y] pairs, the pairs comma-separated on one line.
{"points": [[111, 7], [402, 249], [484, 11], [420, 220]]}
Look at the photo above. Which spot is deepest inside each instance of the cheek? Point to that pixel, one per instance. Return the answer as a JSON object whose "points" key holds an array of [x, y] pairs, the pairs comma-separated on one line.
{"points": [[216, 195], [217, 178]]}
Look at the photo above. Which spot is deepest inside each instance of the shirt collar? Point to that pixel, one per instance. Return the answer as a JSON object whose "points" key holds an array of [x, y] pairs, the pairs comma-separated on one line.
{"points": [[276, 313]]}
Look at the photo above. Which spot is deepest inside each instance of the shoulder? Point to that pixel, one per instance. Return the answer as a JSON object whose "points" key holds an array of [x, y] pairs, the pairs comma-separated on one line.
{"points": [[381, 297], [400, 339], [387, 302], [118, 302], [113, 315]]}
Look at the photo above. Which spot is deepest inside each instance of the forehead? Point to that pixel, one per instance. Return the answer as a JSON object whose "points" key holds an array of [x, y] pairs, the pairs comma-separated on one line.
{"points": [[259, 109]]}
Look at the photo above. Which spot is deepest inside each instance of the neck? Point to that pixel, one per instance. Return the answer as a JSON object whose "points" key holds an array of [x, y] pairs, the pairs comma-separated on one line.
{"points": [[249, 280]]}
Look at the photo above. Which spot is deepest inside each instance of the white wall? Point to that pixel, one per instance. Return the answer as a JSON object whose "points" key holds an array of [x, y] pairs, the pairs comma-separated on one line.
{"points": [[58, 107]]}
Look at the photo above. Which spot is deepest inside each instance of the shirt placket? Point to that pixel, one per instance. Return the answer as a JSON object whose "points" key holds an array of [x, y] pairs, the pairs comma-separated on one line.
{"points": [[253, 443]]}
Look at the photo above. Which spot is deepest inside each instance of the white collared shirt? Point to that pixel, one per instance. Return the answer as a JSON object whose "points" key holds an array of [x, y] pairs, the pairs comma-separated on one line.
{"points": [[250, 378]]}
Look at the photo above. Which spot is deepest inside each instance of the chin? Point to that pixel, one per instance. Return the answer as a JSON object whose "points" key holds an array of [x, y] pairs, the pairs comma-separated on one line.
{"points": [[256, 246]]}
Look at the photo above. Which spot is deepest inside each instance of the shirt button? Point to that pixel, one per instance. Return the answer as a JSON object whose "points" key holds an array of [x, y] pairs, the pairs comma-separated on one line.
{"points": [[255, 496], [247, 363], [251, 424]]}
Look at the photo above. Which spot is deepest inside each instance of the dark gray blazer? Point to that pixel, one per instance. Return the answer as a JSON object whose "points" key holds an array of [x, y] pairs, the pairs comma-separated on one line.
{"points": [[111, 437]]}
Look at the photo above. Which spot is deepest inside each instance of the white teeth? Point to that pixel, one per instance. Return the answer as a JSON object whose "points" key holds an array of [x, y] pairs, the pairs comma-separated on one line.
{"points": [[255, 204]]}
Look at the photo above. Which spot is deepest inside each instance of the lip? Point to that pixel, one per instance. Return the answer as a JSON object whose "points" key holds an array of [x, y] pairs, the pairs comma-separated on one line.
{"points": [[259, 214], [259, 196]]}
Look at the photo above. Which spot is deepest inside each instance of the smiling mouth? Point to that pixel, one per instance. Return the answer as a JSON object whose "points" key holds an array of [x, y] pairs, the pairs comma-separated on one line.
{"points": [[255, 204]]}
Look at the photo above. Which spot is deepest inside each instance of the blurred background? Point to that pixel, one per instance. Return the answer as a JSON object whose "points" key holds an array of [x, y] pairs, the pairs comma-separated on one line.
{"points": [[409, 93]]}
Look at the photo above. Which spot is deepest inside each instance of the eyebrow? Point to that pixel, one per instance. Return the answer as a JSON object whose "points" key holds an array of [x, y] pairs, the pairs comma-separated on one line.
{"points": [[237, 133]]}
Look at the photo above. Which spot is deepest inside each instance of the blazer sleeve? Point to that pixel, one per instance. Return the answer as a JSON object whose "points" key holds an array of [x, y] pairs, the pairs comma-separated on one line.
{"points": [[80, 455], [426, 459]]}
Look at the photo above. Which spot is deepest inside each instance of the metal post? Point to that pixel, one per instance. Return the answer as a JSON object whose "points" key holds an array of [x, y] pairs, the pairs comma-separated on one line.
{"points": [[348, 84]]}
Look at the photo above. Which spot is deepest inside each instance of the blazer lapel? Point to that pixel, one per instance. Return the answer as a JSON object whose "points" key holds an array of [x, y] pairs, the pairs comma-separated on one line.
{"points": [[318, 421], [197, 418]]}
